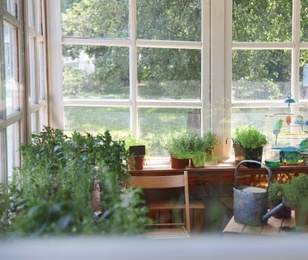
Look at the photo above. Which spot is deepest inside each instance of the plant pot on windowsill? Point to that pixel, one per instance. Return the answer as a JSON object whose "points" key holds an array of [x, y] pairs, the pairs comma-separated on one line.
{"points": [[136, 160], [177, 163]]}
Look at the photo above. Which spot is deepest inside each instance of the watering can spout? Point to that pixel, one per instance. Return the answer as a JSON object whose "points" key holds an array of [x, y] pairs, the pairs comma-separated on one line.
{"points": [[273, 211]]}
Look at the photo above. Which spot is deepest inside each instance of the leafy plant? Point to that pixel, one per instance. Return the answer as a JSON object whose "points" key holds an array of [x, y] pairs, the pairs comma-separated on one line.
{"points": [[276, 192], [249, 137], [52, 192], [177, 144], [296, 191]]}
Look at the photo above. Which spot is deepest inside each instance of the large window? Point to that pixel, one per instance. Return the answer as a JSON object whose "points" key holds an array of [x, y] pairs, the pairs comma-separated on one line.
{"points": [[269, 57], [135, 66], [23, 78]]}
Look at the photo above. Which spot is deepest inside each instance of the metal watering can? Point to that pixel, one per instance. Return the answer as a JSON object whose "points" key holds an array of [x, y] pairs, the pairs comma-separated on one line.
{"points": [[251, 203]]}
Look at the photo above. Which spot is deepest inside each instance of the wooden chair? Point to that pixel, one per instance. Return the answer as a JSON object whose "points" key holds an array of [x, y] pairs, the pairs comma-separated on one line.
{"points": [[172, 229]]}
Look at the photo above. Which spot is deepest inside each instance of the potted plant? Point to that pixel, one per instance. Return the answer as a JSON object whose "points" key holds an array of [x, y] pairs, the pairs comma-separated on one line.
{"points": [[276, 194], [296, 196], [252, 141], [201, 147], [137, 150], [177, 145]]}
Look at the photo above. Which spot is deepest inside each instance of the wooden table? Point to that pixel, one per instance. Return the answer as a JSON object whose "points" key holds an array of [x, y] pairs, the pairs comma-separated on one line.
{"points": [[274, 226], [215, 173]]}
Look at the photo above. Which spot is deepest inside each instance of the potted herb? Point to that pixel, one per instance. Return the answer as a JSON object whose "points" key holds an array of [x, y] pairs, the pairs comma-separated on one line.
{"points": [[296, 196], [137, 150], [252, 141], [276, 194], [200, 148], [177, 144]]}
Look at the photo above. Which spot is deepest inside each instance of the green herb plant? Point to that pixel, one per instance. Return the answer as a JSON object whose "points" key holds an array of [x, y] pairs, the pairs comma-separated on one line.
{"points": [[249, 137], [51, 194]]}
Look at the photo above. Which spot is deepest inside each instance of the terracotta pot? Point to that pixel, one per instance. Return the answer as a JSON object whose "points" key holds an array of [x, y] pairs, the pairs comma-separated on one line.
{"points": [[136, 163], [178, 163]]}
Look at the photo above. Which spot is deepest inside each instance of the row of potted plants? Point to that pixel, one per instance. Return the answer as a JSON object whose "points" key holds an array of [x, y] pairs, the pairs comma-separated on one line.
{"points": [[183, 146]]}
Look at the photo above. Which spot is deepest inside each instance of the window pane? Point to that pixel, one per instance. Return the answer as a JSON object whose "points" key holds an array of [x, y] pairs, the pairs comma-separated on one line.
{"points": [[34, 123], [304, 74], [97, 119], [169, 74], [261, 74], [33, 87], [169, 20], [304, 21], [13, 143], [101, 18], [2, 156], [156, 122], [95, 72], [10, 68], [11, 6], [30, 13], [42, 71], [262, 21], [38, 16]]}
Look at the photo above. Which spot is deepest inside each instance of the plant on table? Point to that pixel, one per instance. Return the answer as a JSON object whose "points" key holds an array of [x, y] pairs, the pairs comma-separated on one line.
{"points": [[251, 140], [296, 196]]}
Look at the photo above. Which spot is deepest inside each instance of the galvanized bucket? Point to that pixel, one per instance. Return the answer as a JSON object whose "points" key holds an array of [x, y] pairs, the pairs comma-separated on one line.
{"points": [[250, 203]]}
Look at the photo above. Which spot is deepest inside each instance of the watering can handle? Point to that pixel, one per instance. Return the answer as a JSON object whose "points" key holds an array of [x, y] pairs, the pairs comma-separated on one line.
{"points": [[269, 171]]}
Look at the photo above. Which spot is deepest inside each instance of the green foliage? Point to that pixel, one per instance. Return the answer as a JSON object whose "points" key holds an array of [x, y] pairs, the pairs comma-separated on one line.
{"points": [[182, 145], [52, 192], [176, 144], [276, 192], [249, 137], [296, 191]]}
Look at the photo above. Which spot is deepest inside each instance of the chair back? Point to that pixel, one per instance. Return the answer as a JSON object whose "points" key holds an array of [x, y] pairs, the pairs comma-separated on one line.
{"points": [[166, 181]]}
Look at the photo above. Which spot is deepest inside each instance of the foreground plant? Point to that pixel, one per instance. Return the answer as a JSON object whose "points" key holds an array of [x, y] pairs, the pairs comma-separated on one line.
{"points": [[51, 194]]}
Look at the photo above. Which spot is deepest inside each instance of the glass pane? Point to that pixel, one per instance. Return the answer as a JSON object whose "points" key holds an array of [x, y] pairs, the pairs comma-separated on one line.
{"points": [[304, 21], [262, 21], [100, 18], [169, 74], [261, 74], [169, 20], [303, 80], [11, 71], [34, 123], [11, 6], [2, 156], [31, 13], [43, 117], [154, 123], [33, 87], [42, 71], [95, 72], [38, 16], [97, 120], [13, 143]]}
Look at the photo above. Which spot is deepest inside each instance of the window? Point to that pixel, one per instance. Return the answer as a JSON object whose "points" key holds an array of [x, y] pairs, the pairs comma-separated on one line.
{"points": [[269, 55], [139, 69], [21, 83]]}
